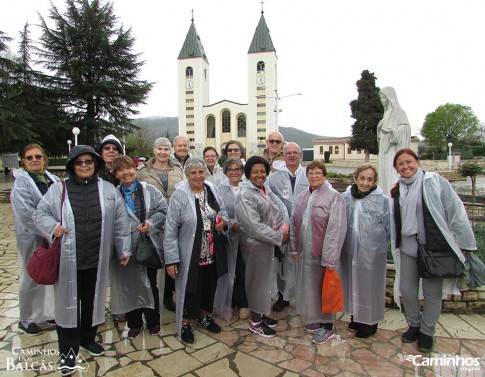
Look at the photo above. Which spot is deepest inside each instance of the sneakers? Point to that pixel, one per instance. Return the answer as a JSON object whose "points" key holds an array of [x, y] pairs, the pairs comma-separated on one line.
{"points": [[134, 333], [155, 330], [67, 364], [270, 322], [209, 324], [280, 304], [322, 336], [244, 313], [262, 329], [425, 343], [312, 328], [411, 335], [31, 330], [94, 348], [119, 317], [187, 334]]}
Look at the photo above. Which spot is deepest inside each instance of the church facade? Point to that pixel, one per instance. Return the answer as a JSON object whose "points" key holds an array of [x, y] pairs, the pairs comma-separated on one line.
{"points": [[207, 124]]}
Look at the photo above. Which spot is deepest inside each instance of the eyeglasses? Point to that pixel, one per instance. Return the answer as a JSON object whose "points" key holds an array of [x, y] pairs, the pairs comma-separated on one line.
{"points": [[233, 149], [275, 141], [109, 148], [34, 156], [236, 170], [83, 162]]}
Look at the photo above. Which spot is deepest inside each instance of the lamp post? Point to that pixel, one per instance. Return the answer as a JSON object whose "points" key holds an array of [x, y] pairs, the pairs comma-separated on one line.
{"points": [[449, 155], [69, 142], [76, 132]]}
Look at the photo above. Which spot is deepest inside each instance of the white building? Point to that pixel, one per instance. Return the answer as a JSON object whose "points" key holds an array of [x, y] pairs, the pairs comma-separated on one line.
{"points": [[339, 149], [214, 124]]}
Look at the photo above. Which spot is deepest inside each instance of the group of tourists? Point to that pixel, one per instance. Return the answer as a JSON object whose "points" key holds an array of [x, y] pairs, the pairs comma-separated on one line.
{"points": [[233, 239]]}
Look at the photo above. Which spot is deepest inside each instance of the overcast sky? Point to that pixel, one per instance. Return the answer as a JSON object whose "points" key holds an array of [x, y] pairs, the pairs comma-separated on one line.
{"points": [[430, 51]]}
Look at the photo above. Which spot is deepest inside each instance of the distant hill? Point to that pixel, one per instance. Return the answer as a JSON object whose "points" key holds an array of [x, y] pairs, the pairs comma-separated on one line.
{"points": [[164, 125], [302, 138]]}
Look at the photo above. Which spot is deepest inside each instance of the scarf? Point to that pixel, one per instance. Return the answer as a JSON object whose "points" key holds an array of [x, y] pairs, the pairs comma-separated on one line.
{"points": [[354, 190], [128, 195], [410, 191], [40, 176]]}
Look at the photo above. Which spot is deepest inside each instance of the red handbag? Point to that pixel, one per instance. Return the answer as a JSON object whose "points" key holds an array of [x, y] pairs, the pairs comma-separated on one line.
{"points": [[43, 265]]}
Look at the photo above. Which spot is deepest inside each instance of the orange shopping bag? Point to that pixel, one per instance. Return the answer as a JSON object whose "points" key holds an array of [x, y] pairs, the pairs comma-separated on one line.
{"points": [[332, 292]]}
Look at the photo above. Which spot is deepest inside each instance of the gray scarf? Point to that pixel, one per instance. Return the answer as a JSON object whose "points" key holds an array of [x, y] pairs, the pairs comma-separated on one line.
{"points": [[410, 191]]}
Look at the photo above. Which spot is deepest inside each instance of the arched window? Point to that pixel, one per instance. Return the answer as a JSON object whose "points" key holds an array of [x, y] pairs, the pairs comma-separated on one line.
{"points": [[241, 125], [226, 121], [189, 72], [211, 127], [260, 67], [336, 149], [321, 149], [330, 149]]}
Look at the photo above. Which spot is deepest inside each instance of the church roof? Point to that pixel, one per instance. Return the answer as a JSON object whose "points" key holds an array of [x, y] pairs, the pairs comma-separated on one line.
{"points": [[261, 40], [192, 47]]}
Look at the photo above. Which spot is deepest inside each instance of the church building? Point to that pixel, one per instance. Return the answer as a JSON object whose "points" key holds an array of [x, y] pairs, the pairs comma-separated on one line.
{"points": [[207, 124]]}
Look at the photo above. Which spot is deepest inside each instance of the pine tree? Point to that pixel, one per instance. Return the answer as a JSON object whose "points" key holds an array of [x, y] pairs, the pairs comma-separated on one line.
{"points": [[15, 126], [367, 110], [92, 68]]}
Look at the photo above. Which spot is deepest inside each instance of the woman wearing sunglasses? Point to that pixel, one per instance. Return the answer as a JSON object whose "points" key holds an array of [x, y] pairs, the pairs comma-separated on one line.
{"points": [[31, 183], [93, 219]]}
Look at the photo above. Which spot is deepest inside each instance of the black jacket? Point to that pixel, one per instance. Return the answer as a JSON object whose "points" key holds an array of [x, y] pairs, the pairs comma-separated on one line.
{"points": [[86, 207], [435, 240]]}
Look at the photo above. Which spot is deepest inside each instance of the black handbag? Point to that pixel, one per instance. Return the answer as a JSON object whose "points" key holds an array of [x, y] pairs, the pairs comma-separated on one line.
{"points": [[146, 253], [438, 264]]}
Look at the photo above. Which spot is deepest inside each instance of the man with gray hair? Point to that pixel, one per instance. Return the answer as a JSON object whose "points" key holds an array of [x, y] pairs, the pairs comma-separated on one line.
{"points": [[274, 151], [287, 183], [181, 146]]}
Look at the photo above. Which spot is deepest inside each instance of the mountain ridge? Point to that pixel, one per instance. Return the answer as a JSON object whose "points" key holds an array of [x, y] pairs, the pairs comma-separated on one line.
{"points": [[168, 126]]}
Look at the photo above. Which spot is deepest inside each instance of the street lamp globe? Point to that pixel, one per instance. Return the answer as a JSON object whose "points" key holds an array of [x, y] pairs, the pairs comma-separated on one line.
{"points": [[69, 142], [76, 131]]}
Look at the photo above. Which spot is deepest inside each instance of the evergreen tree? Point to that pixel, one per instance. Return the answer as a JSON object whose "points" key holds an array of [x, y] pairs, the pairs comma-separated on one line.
{"points": [[15, 126], [92, 68], [51, 127], [367, 110]]}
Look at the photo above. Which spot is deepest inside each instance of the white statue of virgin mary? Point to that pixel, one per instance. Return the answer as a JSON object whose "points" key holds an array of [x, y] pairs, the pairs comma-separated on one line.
{"points": [[393, 134]]}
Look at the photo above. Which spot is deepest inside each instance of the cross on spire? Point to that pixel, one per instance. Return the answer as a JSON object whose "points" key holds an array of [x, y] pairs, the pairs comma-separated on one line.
{"points": [[192, 11], [262, 4]]}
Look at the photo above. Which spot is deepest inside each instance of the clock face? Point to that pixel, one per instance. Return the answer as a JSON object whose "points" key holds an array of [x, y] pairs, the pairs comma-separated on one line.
{"points": [[260, 80], [189, 84]]}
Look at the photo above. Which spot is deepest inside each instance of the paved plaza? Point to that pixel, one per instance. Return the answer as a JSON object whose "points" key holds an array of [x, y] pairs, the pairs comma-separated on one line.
{"points": [[460, 339]]}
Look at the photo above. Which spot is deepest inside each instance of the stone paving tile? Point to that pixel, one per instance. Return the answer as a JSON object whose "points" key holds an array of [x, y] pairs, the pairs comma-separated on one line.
{"points": [[236, 351]]}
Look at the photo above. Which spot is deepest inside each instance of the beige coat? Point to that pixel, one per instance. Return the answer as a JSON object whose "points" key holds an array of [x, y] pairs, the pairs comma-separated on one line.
{"points": [[146, 173]]}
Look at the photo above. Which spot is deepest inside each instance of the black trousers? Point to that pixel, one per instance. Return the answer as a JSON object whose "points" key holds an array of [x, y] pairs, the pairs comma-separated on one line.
{"points": [[152, 316], [169, 288], [206, 290], [239, 298], [85, 332]]}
